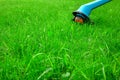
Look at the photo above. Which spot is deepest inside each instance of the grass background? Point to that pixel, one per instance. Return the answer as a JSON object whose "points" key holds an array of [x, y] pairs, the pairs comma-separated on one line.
{"points": [[39, 41]]}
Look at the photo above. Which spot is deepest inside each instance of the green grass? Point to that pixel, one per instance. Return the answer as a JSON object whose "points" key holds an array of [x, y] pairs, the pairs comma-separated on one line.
{"points": [[39, 41]]}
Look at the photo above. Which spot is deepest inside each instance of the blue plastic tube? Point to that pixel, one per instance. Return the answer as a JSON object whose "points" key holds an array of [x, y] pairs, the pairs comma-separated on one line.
{"points": [[87, 8]]}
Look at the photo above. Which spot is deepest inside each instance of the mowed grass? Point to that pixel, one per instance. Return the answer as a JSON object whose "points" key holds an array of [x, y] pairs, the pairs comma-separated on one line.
{"points": [[39, 41]]}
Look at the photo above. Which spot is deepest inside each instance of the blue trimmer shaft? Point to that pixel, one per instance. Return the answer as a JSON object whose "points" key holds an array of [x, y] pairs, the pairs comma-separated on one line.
{"points": [[87, 8]]}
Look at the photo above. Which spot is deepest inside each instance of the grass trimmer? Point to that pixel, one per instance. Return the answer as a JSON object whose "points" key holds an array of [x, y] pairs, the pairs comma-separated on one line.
{"points": [[82, 14]]}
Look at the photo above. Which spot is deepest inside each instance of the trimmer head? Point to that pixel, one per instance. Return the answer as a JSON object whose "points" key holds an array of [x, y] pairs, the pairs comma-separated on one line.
{"points": [[80, 17]]}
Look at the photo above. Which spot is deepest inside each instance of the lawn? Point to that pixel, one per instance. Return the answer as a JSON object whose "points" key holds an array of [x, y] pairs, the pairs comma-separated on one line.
{"points": [[39, 41]]}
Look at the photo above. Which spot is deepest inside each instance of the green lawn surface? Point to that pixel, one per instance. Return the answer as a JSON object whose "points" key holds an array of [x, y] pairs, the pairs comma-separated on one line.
{"points": [[39, 41]]}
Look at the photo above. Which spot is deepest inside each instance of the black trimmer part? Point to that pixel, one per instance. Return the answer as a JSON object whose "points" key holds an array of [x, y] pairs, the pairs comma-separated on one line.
{"points": [[81, 15]]}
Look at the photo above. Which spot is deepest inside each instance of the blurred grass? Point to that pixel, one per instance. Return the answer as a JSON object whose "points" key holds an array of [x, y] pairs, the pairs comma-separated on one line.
{"points": [[38, 40]]}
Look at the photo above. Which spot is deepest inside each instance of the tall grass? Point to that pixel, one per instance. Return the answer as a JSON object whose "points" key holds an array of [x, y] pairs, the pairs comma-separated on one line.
{"points": [[39, 41]]}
